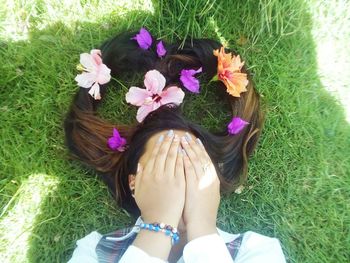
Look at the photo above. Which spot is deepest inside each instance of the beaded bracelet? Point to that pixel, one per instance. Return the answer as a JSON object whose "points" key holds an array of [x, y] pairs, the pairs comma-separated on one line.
{"points": [[166, 229]]}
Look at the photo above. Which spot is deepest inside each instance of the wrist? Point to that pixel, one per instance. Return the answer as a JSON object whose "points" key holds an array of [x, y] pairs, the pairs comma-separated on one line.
{"points": [[168, 220], [199, 229], [168, 230], [154, 244]]}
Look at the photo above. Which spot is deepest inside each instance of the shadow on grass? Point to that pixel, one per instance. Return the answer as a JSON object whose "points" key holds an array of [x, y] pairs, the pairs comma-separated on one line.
{"points": [[75, 202], [295, 190]]}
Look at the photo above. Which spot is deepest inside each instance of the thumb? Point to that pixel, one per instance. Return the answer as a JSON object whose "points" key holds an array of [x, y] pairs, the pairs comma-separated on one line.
{"points": [[138, 174], [139, 168]]}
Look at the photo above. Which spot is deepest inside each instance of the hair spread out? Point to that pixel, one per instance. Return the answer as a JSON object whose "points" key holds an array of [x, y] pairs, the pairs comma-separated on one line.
{"points": [[87, 133]]}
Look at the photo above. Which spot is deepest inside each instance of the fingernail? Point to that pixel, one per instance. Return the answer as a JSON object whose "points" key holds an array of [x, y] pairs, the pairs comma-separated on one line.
{"points": [[184, 140], [161, 138], [188, 136], [170, 133], [176, 138], [179, 150], [199, 141]]}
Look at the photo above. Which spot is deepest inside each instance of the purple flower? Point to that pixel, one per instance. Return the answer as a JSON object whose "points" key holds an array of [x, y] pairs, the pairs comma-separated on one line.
{"points": [[190, 82], [143, 38], [161, 51], [236, 125], [116, 142]]}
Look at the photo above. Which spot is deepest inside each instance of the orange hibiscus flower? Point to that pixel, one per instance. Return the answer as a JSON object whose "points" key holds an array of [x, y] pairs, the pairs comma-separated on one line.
{"points": [[229, 72]]}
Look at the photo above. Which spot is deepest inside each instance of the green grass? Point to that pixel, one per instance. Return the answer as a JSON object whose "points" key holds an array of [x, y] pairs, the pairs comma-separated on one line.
{"points": [[299, 178]]}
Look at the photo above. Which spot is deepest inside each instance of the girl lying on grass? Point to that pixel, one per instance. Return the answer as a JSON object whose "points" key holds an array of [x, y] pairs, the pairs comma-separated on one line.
{"points": [[167, 171]]}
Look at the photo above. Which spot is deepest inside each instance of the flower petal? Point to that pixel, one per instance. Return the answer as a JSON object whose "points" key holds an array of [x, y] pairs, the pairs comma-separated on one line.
{"points": [[143, 38], [143, 111], [172, 94], [237, 64], [116, 133], [161, 51], [86, 79], [88, 62], [241, 80], [95, 91], [113, 143], [137, 96], [97, 59], [154, 81], [156, 105], [236, 125], [96, 51], [189, 81], [121, 148], [104, 74], [237, 84]]}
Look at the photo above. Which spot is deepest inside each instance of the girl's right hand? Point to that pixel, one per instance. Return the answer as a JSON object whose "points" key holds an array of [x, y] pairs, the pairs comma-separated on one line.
{"points": [[202, 190], [160, 185], [160, 194]]}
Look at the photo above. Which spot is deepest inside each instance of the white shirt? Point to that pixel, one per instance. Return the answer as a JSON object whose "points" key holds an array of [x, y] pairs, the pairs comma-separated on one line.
{"points": [[255, 248]]}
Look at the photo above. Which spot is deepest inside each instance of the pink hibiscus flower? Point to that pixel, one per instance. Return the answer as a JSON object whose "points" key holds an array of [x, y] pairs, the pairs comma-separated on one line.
{"points": [[154, 95], [94, 73]]}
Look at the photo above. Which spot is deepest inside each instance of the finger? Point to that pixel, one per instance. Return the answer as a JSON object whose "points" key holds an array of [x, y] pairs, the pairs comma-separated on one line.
{"points": [[179, 166], [201, 146], [198, 148], [190, 172], [194, 159], [208, 165], [151, 160], [172, 156], [159, 164]]}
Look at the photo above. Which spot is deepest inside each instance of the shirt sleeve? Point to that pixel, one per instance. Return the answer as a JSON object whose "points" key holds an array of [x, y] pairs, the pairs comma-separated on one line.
{"points": [[136, 255], [85, 250], [205, 249], [256, 248]]}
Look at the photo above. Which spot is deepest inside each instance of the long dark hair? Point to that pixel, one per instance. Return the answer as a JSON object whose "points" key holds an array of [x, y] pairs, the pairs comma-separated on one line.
{"points": [[87, 133]]}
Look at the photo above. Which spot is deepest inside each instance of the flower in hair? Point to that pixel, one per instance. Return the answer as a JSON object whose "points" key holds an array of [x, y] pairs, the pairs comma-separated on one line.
{"points": [[154, 95], [116, 142], [189, 81], [161, 51], [143, 38], [94, 73], [229, 72], [236, 125]]}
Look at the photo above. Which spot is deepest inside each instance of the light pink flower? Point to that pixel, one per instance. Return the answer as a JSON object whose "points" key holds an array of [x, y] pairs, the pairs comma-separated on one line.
{"points": [[154, 95], [94, 73]]}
